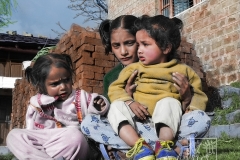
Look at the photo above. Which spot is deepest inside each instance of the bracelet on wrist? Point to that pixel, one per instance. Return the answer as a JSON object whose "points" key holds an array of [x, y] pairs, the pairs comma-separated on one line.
{"points": [[130, 102]]}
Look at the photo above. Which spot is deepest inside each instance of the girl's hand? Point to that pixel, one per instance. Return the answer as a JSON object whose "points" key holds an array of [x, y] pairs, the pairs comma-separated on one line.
{"points": [[130, 86], [99, 103], [183, 87], [138, 109]]}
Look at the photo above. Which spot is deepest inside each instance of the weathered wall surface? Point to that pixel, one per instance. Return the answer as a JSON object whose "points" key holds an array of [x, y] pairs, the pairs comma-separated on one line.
{"points": [[212, 26], [134, 7]]}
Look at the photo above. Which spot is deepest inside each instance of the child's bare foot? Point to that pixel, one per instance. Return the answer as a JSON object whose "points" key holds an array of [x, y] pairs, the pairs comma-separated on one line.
{"points": [[185, 150], [111, 151]]}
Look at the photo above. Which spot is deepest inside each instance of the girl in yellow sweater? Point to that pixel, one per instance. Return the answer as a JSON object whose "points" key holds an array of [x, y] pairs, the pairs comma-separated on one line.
{"points": [[156, 99]]}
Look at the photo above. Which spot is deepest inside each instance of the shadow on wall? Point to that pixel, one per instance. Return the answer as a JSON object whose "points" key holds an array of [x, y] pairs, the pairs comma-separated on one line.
{"points": [[214, 99]]}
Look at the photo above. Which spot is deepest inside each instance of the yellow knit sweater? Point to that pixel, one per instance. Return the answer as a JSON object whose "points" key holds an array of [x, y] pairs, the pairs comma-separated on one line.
{"points": [[154, 82]]}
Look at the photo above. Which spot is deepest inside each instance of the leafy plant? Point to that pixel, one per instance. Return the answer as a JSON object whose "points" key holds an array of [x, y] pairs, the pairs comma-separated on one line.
{"points": [[6, 12], [220, 114], [8, 156], [235, 84]]}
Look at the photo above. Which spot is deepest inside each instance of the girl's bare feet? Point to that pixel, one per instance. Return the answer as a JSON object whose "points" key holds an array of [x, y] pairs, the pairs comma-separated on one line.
{"points": [[111, 154], [183, 142]]}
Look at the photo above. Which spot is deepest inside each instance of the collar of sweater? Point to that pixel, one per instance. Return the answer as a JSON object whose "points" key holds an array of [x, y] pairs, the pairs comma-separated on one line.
{"points": [[47, 100], [169, 64]]}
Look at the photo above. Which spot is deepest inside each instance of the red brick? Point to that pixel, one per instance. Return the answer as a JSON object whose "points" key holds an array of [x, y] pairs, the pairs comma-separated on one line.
{"points": [[96, 69], [74, 39], [221, 51], [82, 54], [218, 63], [88, 82], [86, 88], [223, 79], [87, 75], [98, 76], [76, 56], [184, 49], [103, 56], [92, 41], [98, 36], [229, 48], [62, 48], [69, 45], [227, 68], [214, 54], [189, 62], [100, 49], [90, 34], [87, 47], [98, 90], [86, 60], [75, 85], [67, 40], [104, 63], [227, 40], [235, 36], [231, 78], [195, 65], [76, 28]]}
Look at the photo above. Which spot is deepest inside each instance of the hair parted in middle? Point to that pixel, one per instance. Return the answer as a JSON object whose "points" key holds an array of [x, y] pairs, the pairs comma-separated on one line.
{"points": [[107, 26], [165, 31], [38, 73]]}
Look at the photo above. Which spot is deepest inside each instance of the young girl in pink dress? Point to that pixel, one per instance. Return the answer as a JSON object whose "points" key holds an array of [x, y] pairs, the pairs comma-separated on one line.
{"points": [[54, 114]]}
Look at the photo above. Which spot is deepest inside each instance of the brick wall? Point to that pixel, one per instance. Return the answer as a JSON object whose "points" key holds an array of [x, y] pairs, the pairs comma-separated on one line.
{"points": [[211, 26], [88, 55], [134, 7]]}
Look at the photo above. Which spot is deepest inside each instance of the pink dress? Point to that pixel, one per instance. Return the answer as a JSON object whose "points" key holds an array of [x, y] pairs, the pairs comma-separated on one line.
{"points": [[42, 139]]}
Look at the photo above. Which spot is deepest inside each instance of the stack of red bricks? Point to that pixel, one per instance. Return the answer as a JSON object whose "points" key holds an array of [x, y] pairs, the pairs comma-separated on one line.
{"points": [[88, 55], [187, 55], [20, 100]]}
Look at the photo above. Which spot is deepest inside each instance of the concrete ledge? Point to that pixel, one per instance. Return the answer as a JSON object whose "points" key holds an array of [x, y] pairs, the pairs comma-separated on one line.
{"points": [[4, 150], [233, 130]]}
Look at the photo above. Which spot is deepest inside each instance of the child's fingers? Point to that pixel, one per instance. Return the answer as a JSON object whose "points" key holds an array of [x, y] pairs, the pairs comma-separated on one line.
{"points": [[139, 114], [96, 99], [131, 79], [142, 112]]}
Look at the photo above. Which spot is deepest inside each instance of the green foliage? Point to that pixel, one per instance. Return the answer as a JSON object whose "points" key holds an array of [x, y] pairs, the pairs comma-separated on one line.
{"points": [[220, 114], [235, 84], [223, 148], [6, 12], [9, 156]]}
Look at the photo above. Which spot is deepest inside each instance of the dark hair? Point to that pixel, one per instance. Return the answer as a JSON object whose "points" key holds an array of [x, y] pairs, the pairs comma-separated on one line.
{"points": [[107, 26], [163, 30], [38, 73]]}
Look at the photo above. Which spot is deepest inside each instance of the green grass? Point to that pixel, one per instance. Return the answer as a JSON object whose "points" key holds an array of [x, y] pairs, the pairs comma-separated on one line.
{"points": [[6, 157], [235, 84], [223, 148], [220, 114]]}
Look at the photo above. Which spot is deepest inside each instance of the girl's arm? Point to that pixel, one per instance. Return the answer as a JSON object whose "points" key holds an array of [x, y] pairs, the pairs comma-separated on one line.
{"points": [[199, 98], [93, 103], [30, 117]]}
